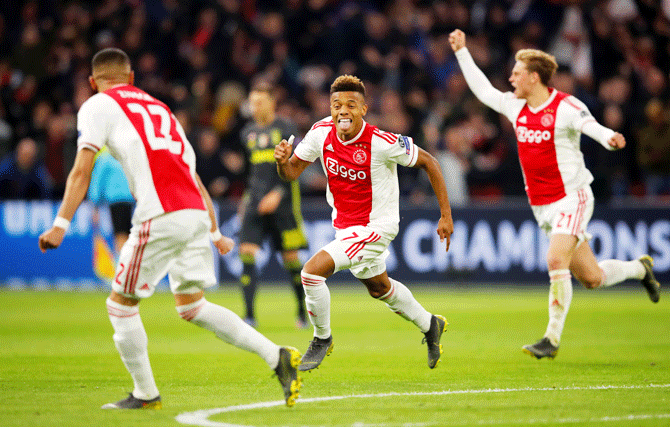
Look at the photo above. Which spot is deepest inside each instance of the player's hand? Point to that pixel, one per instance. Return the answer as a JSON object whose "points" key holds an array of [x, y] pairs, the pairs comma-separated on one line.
{"points": [[457, 40], [617, 141], [269, 203], [283, 150], [445, 227], [224, 245], [51, 239]]}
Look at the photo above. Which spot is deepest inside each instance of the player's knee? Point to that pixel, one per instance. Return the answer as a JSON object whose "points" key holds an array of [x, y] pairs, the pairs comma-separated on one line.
{"points": [[555, 262], [376, 293], [590, 281], [376, 289]]}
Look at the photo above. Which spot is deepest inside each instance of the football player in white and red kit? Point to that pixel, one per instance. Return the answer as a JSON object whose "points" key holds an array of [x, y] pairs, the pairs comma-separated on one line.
{"points": [[548, 126], [173, 223], [360, 162]]}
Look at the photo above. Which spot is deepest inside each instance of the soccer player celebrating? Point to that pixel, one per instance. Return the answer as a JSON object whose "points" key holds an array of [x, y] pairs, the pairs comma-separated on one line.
{"points": [[360, 162], [172, 226], [548, 126], [271, 206]]}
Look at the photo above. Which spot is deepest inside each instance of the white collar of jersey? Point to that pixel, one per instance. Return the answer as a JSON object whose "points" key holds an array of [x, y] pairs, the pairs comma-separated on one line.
{"points": [[354, 139], [552, 95]]}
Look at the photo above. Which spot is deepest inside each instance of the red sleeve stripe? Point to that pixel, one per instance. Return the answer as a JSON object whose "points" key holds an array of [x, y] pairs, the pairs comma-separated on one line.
{"points": [[322, 123], [572, 104], [386, 136]]}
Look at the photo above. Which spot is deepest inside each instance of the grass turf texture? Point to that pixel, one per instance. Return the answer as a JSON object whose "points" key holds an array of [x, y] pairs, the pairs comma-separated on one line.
{"points": [[59, 364]]}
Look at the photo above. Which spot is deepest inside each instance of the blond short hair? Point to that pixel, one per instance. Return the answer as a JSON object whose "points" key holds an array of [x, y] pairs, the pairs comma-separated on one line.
{"points": [[538, 62], [347, 83]]}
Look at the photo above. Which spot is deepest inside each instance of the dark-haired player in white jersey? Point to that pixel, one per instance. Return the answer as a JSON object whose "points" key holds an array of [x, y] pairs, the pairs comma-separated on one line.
{"points": [[548, 126], [173, 223], [361, 162]]}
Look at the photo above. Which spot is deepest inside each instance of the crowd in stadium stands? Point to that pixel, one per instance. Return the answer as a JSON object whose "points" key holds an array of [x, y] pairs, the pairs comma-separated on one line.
{"points": [[200, 57]]}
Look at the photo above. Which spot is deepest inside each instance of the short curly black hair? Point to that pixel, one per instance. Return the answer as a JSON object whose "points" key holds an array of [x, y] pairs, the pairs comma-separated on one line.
{"points": [[347, 83]]}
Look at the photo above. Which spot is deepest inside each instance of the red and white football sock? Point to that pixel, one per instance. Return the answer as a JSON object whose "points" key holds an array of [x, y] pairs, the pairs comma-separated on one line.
{"points": [[615, 271], [317, 302], [230, 328], [560, 297], [400, 300], [131, 342]]}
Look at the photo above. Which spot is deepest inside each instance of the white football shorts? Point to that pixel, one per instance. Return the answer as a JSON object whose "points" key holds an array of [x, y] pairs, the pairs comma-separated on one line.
{"points": [[176, 244], [360, 249], [569, 215]]}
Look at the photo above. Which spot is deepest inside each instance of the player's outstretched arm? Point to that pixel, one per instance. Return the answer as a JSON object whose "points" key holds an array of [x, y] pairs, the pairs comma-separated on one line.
{"points": [[224, 244], [289, 167], [477, 81], [76, 187], [605, 136], [445, 225]]}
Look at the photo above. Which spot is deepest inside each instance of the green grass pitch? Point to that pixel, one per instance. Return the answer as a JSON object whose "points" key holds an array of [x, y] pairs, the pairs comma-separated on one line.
{"points": [[59, 364]]}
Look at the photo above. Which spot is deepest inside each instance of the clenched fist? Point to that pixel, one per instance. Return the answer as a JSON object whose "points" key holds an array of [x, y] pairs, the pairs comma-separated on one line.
{"points": [[283, 150], [457, 40]]}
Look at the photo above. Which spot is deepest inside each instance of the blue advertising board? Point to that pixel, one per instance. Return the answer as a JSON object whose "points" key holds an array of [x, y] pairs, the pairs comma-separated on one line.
{"points": [[489, 245]]}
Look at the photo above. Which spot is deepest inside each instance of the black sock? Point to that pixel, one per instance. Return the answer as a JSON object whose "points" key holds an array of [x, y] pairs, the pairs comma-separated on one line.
{"points": [[248, 282]]}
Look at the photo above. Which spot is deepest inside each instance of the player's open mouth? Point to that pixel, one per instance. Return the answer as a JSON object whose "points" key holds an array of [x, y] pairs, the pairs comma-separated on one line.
{"points": [[344, 124]]}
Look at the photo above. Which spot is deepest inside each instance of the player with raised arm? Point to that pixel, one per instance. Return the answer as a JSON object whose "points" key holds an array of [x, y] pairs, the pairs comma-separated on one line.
{"points": [[270, 206], [173, 223], [360, 162], [548, 126]]}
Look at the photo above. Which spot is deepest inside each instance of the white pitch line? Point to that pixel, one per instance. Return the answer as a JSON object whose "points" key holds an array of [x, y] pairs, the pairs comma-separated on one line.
{"points": [[200, 418]]}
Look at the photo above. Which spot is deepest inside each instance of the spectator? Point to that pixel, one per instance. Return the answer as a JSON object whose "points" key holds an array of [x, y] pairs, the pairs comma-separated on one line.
{"points": [[23, 175], [6, 133], [455, 164], [55, 141], [617, 51], [653, 151], [30, 54], [209, 164]]}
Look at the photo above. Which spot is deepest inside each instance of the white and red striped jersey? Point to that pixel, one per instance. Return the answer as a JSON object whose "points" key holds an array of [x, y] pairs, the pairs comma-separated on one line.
{"points": [[145, 137], [548, 137], [362, 173]]}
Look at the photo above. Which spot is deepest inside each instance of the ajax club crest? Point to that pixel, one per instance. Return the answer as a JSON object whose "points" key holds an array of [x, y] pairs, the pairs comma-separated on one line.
{"points": [[360, 157], [547, 120]]}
